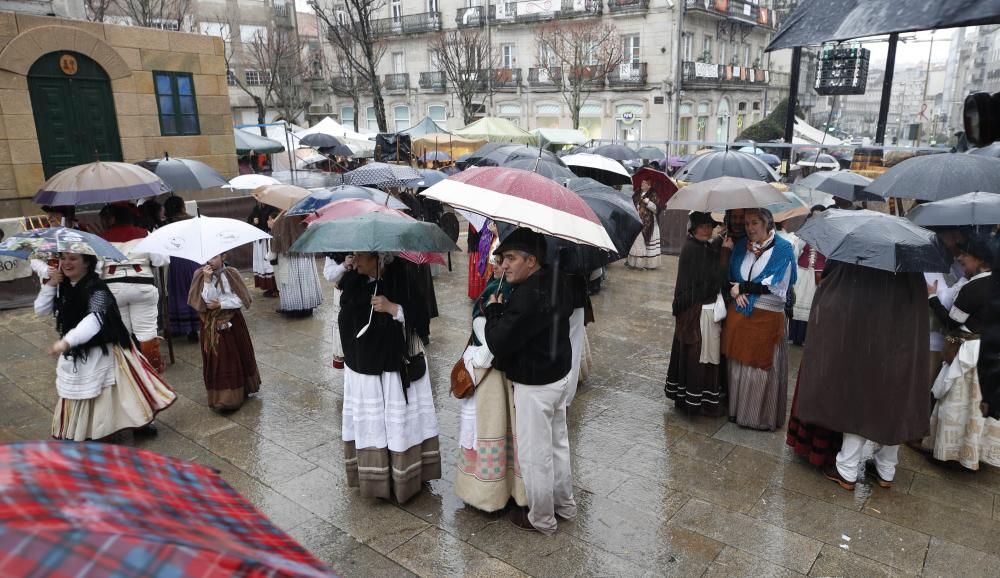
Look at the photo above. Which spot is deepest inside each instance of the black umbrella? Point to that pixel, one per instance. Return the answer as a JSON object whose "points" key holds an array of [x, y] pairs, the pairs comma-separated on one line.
{"points": [[508, 152], [342, 151], [940, 176], [968, 209], [473, 157], [873, 240], [546, 168], [617, 152], [184, 174], [319, 140], [844, 184], [726, 164]]}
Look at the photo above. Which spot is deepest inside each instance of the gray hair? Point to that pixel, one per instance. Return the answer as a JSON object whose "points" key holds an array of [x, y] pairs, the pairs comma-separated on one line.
{"points": [[764, 214]]}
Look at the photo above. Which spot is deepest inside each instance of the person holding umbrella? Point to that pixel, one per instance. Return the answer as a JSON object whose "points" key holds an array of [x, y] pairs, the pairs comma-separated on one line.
{"points": [[645, 252], [299, 289], [183, 319]]}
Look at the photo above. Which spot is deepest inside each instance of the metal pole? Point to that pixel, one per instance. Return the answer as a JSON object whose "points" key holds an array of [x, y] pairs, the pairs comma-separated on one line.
{"points": [[678, 76], [793, 98], [923, 99], [883, 110]]}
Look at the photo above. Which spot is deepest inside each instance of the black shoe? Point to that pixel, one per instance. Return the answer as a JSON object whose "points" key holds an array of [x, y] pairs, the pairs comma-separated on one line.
{"points": [[519, 517], [150, 429], [833, 474]]}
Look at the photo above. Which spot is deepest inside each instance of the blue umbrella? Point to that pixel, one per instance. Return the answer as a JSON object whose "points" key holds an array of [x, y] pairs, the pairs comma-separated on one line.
{"points": [[322, 197], [55, 240]]}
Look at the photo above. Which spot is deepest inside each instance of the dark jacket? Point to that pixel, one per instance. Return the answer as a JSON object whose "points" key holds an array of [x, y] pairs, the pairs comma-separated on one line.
{"points": [[529, 334]]}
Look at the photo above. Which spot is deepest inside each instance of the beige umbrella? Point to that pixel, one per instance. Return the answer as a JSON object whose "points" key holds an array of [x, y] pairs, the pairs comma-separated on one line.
{"points": [[280, 196], [725, 193]]}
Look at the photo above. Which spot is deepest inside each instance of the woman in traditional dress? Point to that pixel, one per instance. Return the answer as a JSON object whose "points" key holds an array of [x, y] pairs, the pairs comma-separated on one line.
{"points": [[183, 319], [761, 270], [228, 362], [696, 379], [331, 269], [488, 475], [645, 251], [299, 290], [810, 269], [480, 269], [390, 429], [263, 271], [104, 384], [963, 427]]}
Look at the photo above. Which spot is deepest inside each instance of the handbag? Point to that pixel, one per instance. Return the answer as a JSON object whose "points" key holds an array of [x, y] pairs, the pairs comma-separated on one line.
{"points": [[462, 383], [719, 309]]}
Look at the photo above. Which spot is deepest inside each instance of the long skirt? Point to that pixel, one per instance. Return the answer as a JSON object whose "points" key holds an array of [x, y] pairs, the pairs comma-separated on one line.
{"points": [[338, 346], [183, 319], [959, 432], [645, 254], [390, 440], [137, 395], [488, 474], [695, 387], [263, 271], [757, 397], [815, 443], [230, 371], [298, 283], [477, 282]]}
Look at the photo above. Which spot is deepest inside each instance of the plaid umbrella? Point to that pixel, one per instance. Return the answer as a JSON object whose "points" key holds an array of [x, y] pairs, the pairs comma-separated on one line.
{"points": [[52, 241], [74, 509], [184, 174], [100, 182], [381, 175]]}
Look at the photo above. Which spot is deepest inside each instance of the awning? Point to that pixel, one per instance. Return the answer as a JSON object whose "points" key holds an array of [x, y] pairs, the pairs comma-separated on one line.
{"points": [[247, 142], [559, 136], [455, 146], [494, 129], [425, 126]]}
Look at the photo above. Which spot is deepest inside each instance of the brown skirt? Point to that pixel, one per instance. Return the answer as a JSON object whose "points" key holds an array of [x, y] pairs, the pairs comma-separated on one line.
{"points": [[231, 370], [382, 473], [266, 283]]}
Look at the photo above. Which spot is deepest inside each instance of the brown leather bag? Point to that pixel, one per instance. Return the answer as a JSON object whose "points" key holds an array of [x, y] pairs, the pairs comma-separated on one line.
{"points": [[462, 384]]}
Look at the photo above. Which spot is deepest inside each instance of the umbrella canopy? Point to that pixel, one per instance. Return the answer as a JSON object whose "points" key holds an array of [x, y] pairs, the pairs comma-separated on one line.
{"points": [[318, 199], [663, 185], [968, 209], [651, 153], [819, 161], [752, 150], [381, 175], [250, 182], [600, 168], [428, 178], [618, 152], [373, 232], [523, 199], [100, 182], [991, 150], [873, 239], [319, 140], [200, 238], [844, 184], [184, 174], [435, 156], [94, 509], [280, 196], [342, 151], [725, 193], [548, 169], [940, 176], [248, 142], [772, 160], [715, 164], [46, 243], [496, 154], [559, 136], [794, 206], [494, 129]]}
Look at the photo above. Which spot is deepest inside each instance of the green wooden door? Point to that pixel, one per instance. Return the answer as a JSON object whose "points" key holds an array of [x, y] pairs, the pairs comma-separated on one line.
{"points": [[74, 111]]}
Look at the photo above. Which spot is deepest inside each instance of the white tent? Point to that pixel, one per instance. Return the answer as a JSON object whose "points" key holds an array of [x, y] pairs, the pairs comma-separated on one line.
{"points": [[357, 141], [811, 135]]}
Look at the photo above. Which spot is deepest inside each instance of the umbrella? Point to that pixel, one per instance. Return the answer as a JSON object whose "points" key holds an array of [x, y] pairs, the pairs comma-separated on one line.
{"points": [[772, 160], [93, 509], [968, 209], [184, 174], [200, 238], [523, 199], [752, 150], [674, 161], [308, 179], [100, 182], [318, 199], [319, 140], [651, 153], [548, 169], [428, 177], [663, 186], [794, 206], [725, 193], [280, 196], [248, 142], [496, 156], [435, 156], [936, 177], [373, 232], [617, 152], [381, 174], [874, 240], [819, 161], [991, 150], [844, 184], [715, 164], [51, 241], [600, 168], [250, 182], [342, 151]]}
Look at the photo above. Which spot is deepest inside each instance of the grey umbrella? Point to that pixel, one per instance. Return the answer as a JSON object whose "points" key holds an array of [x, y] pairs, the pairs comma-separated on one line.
{"points": [[555, 171], [873, 239], [968, 209], [844, 184], [940, 176], [184, 174], [726, 164], [618, 152], [381, 175], [991, 150], [320, 140]]}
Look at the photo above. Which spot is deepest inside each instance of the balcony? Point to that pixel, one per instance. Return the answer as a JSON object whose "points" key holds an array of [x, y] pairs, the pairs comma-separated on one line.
{"points": [[471, 17], [408, 24], [433, 81], [526, 11], [590, 76], [735, 9], [628, 75], [545, 78], [627, 6], [280, 10], [703, 75], [344, 86], [399, 82], [503, 79]]}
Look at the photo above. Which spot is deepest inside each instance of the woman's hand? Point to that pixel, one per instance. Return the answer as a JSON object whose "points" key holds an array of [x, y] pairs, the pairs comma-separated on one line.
{"points": [[207, 269], [214, 304], [734, 292], [727, 242], [55, 277], [383, 305], [58, 348], [932, 289]]}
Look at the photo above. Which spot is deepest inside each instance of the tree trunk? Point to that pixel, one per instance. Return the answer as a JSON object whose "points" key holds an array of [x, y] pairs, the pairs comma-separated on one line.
{"points": [[379, 104], [261, 115], [356, 101]]}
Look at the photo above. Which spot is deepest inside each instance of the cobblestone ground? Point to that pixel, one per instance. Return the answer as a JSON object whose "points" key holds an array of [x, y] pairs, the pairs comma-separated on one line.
{"points": [[659, 493]]}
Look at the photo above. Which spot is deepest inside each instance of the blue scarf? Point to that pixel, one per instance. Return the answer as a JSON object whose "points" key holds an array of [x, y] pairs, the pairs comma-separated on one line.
{"points": [[782, 255]]}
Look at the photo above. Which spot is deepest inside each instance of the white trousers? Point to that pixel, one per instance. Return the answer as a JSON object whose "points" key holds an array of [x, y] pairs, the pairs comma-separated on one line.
{"points": [[543, 452], [851, 452], [138, 306], [577, 332]]}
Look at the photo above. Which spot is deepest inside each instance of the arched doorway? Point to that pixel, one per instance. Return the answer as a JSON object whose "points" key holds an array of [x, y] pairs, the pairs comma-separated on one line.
{"points": [[74, 111]]}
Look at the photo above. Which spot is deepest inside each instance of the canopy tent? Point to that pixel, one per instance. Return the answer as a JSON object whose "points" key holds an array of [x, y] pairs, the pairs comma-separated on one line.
{"points": [[304, 157], [559, 136], [248, 142], [357, 141], [495, 129], [455, 146], [424, 127], [809, 134]]}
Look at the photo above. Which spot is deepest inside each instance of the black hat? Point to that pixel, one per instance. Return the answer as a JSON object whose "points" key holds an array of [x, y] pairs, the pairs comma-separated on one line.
{"points": [[523, 239], [979, 248], [696, 218]]}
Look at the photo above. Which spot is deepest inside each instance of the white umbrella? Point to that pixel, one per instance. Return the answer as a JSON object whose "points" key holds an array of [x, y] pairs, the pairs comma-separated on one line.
{"points": [[597, 162], [725, 193], [250, 182], [200, 238]]}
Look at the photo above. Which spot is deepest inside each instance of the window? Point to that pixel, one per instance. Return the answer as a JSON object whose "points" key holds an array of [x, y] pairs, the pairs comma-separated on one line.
{"points": [[706, 48], [432, 6], [396, 10], [250, 34], [165, 24], [370, 120], [175, 101], [687, 46], [438, 113], [230, 77], [401, 116], [631, 49], [508, 55], [398, 62], [546, 58], [722, 51], [347, 116], [746, 55], [434, 60], [702, 127], [257, 77]]}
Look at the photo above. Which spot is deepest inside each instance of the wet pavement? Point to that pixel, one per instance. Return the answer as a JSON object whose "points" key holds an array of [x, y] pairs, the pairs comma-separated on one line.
{"points": [[660, 493]]}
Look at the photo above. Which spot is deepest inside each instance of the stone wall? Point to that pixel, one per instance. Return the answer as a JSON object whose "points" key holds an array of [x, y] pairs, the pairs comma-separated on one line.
{"points": [[129, 55]]}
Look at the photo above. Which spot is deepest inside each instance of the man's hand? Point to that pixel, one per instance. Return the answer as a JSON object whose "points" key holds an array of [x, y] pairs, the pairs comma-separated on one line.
{"points": [[495, 298], [727, 243], [383, 305]]}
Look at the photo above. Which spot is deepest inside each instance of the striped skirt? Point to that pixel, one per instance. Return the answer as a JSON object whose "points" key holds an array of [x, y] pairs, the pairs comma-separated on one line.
{"points": [[298, 283], [758, 397]]}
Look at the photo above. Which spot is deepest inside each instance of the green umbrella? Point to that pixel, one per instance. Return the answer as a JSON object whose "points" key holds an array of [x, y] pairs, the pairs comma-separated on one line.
{"points": [[374, 232], [247, 142]]}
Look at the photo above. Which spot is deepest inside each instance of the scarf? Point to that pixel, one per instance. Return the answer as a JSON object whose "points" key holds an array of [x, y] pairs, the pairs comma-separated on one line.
{"points": [[782, 255], [645, 215], [212, 318], [485, 246], [90, 295]]}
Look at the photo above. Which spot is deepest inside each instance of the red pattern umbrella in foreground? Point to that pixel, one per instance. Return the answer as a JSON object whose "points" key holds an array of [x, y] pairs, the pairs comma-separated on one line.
{"points": [[524, 199], [74, 509]]}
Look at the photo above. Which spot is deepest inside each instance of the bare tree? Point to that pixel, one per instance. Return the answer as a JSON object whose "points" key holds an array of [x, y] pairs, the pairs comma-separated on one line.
{"points": [[579, 56], [352, 29], [278, 54], [153, 13], [469, 64], [257, 96], [97, 10], [343, 81]]}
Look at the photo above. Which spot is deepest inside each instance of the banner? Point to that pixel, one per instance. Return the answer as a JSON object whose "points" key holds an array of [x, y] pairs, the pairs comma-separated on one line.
{"points": [[12, 268], [705, 70]]}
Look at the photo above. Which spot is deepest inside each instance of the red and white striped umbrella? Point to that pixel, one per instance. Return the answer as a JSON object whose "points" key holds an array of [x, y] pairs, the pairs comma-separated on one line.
{"points": [[524, 199]]}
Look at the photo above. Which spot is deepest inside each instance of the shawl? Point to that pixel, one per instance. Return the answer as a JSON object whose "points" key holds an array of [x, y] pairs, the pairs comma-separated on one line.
{"points": [[647, 217], [782, 255], [211, 318], [90, 295], [286, 231], [700, 276], [485, 250]]}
